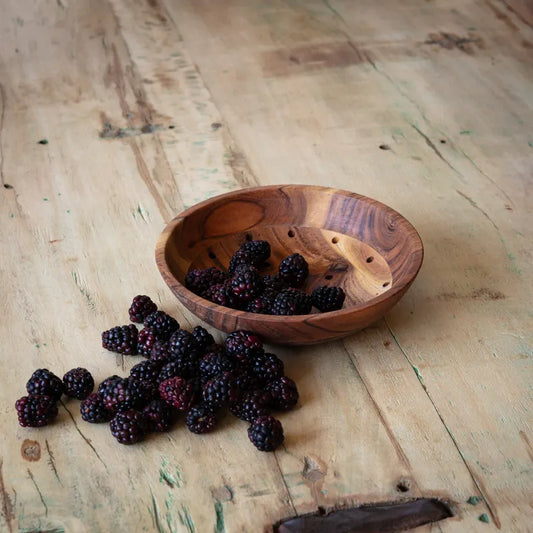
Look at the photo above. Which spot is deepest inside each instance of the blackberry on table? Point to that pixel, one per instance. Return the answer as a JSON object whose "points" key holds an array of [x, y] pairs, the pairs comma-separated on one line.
{"points": [[214, 363], [293, 270], [199, 280], [245, 379], [93, 410], [284, 393], [108, 384], [266, 433], [36, 410], [159, 415], [292, 302], [145, 342], [201, 418], [259, 250], [78, 383], [221, 390], [121, 339], [328, 298], [128, 427], [128, 393], [44, 382], [177, 392], [146, 370], [161, 324], [246, 283], [251, 405], [182, 368], [243, 345], [141, 307], [267, 367], [203, 338], [160, 351], [183, 343]]}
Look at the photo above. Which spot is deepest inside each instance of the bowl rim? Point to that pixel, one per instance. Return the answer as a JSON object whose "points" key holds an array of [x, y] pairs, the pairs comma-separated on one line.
{"points": [[170, 278]]}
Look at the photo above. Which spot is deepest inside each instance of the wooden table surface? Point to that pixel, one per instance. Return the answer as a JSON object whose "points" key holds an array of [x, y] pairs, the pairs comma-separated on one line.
{"points": [[149, 107]]}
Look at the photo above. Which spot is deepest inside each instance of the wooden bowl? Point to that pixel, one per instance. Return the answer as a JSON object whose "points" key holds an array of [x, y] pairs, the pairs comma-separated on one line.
{"points": [[349, 240]]}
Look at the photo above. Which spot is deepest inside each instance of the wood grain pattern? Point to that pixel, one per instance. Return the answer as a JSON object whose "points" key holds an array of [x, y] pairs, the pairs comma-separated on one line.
{"points": [[354, 242]]}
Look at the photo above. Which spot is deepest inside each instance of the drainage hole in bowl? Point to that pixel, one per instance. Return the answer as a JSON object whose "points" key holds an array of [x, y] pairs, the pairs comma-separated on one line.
{"points": [[369, 259], [212, 255], [328, 276], [291, 233], [335, 240], [386, 284]]}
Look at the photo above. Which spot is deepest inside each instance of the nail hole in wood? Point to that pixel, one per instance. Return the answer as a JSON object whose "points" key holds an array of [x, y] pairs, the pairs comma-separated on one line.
{"points": [[404, 485], [171, 127], [369, 259], [335, 240], [7, 186], [386, 284], [291, 233], [443, 141], [329, 276], [384, 147]]}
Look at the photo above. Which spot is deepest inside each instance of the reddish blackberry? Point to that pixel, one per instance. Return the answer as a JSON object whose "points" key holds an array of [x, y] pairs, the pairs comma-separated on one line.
{"points": [[246, 283], [78, 383], [222, 294], [284, 393], [146, 370], [128, 393], [259, 250], [243, 345], [198, 281], [203, 338], [160, 351], [266, 433], [128, 427], [145, 342], [44, 382], [328, 298], [107, 385], [214, 363], [159, 415], [36, 410], [240, 257], [251, 405], [177, 392], [292, 302], [263, 303], [274, 283], [293, 270], [93, 410], [221, 390], [121, 339], [267, 367], [140, 308], [201, 418], [161, 324]]}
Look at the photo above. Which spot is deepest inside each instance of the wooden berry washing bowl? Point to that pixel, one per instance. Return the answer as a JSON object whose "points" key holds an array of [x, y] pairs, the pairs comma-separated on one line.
{"points": [[349, 240]]}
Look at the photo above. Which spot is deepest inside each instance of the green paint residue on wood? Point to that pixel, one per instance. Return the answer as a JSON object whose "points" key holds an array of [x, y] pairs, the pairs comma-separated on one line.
{"points": [[418, 374], [12, 215], [219, 512], [171, 478], [465, 132], [530, 143], [484, 518], [45, 199], [186, 519], [473, 500], [154, 512]]}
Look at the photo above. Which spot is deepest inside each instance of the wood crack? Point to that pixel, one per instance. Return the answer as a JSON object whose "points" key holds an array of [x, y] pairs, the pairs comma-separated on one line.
{"points": [[430, 143], [2, 120], [51, 461], [475, 206], [289, 497], [7, 506], [39, 491], [517, 14]]}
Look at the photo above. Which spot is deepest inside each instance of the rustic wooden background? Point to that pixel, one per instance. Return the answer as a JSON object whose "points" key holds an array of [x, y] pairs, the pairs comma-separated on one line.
{"points": [[147, 108]]}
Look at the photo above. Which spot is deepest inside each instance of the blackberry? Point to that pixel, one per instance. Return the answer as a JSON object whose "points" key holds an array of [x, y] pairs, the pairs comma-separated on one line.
{"points": [[198, 280], [121, 339], [93, 410], [240, 257], [246, 380], [36, 410], [328, 298], [159, 415], [146, 370], [128, 427], [214, 363], [183, 343], [293, 270], [292, 302], [78, 383], [251, 405], [274, 283], [201, 418], [203, 338], [222, 294], [177, 392], [172, 369], [284, 393], [129, 393], [44, 382], [243, 345], [160, 351], [246, 283], [107, 385], [140, 308], [161, 325], [221, 390], [263, 303], [266, 433], [145, 342], [259, 250], [267, 367]]}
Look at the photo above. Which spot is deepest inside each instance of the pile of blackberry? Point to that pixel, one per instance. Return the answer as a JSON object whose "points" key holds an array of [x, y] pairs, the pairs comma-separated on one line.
{"points": [[244, 287], [184, 372]]}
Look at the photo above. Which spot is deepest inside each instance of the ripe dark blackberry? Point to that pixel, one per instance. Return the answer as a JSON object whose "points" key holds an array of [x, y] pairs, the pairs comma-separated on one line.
{"points": [[141, 307], [160, 351], [107, 385], [145, 342], [201, 418], [183, 343], [246, 283], [292, 302], [128, 427], [36, 410], [178, 393], [266, 433], [221, 390], [293, 270], [243, 345], [222, 294], [161, 325], [203, 338], [214, 363], [245, 379], [267, 367], [274, 283], [251, 405], [44, 382], [260, 251], [121, 339], [146, 370], [159, 415], [328, 298], [78, 383], [240, 257], [176, 368], [199, 280], [284, 393], [93, 410], [262, 304], [129, 393]]}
